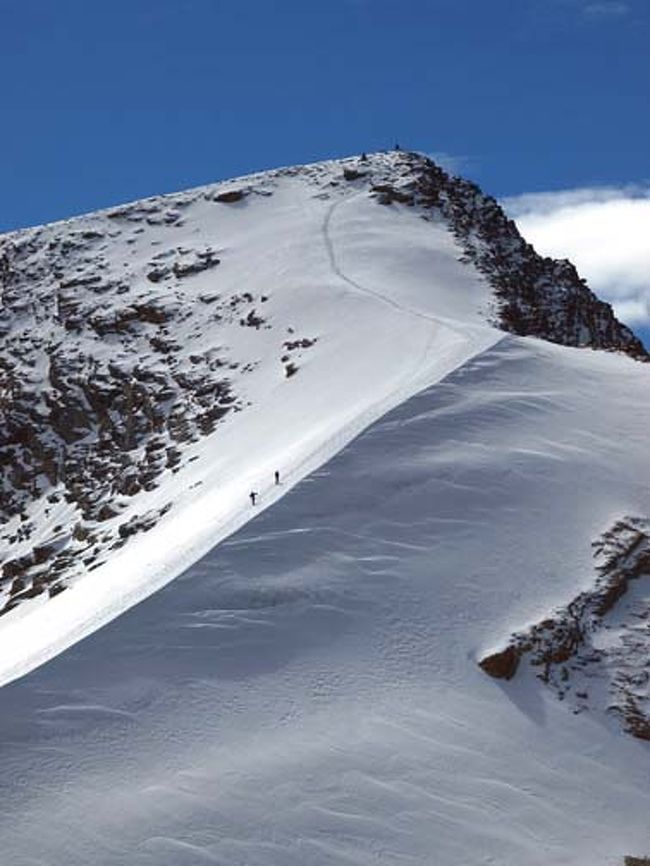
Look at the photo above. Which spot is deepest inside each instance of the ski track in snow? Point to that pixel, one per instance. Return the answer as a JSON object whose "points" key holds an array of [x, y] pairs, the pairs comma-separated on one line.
{"points": [[384, 298], [331, 252]]}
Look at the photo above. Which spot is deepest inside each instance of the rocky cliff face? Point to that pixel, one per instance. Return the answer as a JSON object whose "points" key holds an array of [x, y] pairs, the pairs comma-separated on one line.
{"points": [[536, 296], [118, 351]]}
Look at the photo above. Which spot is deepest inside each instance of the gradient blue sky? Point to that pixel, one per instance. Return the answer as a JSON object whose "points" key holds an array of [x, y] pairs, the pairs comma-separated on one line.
{"points": [[105, 102], [108, 101]]}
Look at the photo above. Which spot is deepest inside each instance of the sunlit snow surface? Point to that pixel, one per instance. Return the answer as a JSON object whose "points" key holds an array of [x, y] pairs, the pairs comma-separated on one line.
{"points": [[308, 694], [392, 306]]}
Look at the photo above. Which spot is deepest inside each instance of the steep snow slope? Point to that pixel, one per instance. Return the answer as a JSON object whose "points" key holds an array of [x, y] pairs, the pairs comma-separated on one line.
{"points": [[161, 359], [167, 357], [308, 693]]}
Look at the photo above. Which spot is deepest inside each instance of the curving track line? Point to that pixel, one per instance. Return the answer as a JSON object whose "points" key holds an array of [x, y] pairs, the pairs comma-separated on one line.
{"points": [[336, 268]]}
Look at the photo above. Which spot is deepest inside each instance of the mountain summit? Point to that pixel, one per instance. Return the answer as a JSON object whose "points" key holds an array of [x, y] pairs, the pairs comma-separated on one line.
{"points": [[158, 356], [433, 648]]}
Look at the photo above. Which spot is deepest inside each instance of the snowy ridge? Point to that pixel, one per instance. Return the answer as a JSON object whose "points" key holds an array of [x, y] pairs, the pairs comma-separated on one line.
{"points": [[308, 691], [164, 358], [175, 352], [537, 296]]}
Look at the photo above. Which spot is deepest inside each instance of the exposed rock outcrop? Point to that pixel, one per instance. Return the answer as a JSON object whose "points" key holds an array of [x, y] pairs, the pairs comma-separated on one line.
{"points": [[536, 295], [584, 644]]}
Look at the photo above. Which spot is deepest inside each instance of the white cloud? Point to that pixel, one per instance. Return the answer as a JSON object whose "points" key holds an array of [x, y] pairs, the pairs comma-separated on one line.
{"points": [[607, 9], [606, 234]]}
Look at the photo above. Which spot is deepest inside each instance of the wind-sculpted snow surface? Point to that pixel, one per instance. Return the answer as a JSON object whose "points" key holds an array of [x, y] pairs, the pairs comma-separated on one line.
{"points": [[309, 693]]}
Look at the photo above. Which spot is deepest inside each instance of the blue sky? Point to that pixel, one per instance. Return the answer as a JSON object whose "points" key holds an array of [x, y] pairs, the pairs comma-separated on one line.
{"points": [[109, 101]]}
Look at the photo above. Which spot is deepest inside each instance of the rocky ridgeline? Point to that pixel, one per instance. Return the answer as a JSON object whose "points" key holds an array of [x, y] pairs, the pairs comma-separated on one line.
{"points": [[536, 296], [594, 652]]}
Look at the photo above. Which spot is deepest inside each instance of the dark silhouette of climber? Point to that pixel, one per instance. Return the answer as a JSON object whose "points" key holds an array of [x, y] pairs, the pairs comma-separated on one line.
{"points": [[276, 475], [253, 496]]}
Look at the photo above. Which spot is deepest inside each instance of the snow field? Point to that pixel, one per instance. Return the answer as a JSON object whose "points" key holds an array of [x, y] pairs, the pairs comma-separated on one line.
{"points": [[382, 333], [308, 691]]}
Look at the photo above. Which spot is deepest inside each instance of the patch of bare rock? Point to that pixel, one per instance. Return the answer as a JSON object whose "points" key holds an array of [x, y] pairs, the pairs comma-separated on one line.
{"points": [[595, 651]]}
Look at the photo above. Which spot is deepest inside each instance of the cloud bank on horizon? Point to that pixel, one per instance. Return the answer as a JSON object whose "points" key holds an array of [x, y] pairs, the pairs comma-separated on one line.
{"points": [[604, 231]]}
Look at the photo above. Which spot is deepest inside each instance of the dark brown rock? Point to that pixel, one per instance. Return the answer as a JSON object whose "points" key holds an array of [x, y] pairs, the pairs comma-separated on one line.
{"points": [[230, 196], [501, 665]]}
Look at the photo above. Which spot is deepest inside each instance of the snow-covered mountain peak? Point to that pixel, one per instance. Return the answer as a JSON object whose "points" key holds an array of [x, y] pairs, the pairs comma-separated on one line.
{"points": [[434, 646], [161, 359]]}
